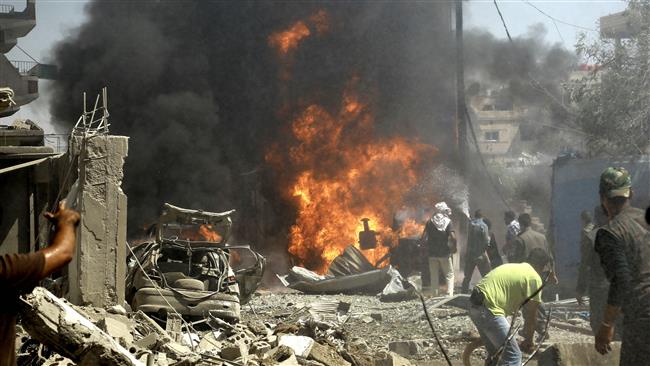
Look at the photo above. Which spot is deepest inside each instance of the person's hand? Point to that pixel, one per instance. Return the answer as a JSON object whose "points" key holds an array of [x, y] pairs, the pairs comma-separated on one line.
{"points": [[528, 345], [580, 298], [604, 337], [63, 216], [553, 278]]}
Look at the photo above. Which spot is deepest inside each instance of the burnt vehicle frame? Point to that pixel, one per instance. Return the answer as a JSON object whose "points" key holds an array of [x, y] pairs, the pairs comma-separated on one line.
{"points": [[188, 267]]}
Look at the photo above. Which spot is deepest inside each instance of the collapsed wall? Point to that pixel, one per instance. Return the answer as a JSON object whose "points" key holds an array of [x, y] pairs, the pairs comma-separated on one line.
{"points": [[98, 269]]}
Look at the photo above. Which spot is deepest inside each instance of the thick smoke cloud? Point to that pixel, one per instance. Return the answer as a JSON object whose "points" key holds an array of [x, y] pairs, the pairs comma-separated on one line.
{"points": [[197, 88]]}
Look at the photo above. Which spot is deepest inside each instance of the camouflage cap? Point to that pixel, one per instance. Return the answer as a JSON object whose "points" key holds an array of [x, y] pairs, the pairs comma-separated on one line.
{"points": [[615, 182]]}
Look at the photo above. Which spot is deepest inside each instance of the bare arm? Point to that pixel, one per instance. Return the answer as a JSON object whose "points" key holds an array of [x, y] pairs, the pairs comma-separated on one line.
{"points": [[530, 316], [60, 251]]}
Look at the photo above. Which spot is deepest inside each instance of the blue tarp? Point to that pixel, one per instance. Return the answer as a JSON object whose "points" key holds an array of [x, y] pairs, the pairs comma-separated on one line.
{"points": [[575, 188]]}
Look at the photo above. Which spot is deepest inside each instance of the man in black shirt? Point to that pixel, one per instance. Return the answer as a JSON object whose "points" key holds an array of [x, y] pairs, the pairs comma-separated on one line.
{"points": [[624, 249], [440, 241]]}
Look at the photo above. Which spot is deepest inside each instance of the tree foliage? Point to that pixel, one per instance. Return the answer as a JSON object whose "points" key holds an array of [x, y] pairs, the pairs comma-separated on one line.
{"points": [[614, 99]]}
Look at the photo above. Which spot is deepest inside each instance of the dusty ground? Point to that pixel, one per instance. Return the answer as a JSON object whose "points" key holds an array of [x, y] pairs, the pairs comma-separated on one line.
{"points": [[396, 321]]}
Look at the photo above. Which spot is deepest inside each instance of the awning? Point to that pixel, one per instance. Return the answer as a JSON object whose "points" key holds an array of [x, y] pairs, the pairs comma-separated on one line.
{"points": [[27, 164]]}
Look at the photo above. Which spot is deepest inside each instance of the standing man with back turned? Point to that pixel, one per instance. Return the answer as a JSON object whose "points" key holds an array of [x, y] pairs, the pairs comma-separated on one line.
{"points": [[20, 273], [624, 249], [512, 230], [478, 240], [440, 241]]}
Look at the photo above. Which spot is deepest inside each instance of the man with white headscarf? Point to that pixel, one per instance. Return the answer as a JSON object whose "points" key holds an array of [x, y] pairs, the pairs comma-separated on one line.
{"points": [[440, 241]]}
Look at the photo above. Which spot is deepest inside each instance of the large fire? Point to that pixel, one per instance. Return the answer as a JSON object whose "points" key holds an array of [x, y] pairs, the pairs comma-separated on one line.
{"points": [[340, 171], [346, 173]]}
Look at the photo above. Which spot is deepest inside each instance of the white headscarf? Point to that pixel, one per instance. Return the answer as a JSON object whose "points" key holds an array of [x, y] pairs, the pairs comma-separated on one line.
{"points": [[441, 217]]}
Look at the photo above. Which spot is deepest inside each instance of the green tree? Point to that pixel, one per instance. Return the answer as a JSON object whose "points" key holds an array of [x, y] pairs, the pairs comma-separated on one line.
{"points": [[614, 100]]}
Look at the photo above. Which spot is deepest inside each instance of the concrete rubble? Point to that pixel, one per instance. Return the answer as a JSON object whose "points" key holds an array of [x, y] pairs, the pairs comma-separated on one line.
{"points": [[277, 329]]}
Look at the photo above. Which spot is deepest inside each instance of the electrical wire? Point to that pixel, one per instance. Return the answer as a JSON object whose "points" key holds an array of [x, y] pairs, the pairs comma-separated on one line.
{"points": [[539, 344], [433, 329], [482, 159], [554, 19], [534, 82], [28, 55]]}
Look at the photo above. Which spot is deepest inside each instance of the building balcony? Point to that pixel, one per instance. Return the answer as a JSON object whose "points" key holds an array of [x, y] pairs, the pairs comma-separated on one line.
{"points": [[15, 24]]}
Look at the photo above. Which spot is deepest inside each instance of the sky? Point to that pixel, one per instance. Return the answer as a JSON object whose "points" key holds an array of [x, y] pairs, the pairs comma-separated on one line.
{"points": [[57, 19]]}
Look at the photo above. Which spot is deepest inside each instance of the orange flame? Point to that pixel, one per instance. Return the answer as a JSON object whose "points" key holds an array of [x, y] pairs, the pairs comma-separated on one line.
{"points": [[288, 40], [411, 229], [208, 234], [342, 174]]}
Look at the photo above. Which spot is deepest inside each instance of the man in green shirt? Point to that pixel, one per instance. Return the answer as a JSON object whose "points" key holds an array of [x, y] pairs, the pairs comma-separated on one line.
{"points": [[501, 293]]}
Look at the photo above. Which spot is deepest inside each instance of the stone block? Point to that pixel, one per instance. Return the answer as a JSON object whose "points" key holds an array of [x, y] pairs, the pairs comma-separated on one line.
{"points": [[392, 359], [568, 354], [300, 345], [233, 351], [260, 348], [116, 329], [147, 342], [405, 348], [326, 355]]}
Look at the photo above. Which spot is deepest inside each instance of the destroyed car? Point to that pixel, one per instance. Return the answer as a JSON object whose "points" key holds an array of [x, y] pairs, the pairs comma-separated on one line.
{"points": [[188, 267]]}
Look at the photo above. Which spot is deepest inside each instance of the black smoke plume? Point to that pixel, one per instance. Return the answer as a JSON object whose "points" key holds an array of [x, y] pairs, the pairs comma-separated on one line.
{"points": [[198, 89]]}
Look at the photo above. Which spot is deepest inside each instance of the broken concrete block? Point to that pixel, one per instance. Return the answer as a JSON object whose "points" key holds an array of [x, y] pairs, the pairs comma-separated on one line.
{"points": [[260, 348], [234, 351], [209, 342], [326, 355], [273, 340], [190, 339], [392, 359], [147, 342], [578, 354], [377, 316], [257, 327], [281, 355], [116, 329], [300, 345], [367, 319], [53, 322], [116, 309], [405, 348]]}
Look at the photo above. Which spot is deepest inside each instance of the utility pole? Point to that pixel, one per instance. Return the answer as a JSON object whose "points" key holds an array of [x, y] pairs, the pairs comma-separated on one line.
{"points": [[461, 121]]}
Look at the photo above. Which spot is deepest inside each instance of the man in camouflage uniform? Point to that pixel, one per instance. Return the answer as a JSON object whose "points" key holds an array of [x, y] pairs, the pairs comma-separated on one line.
{"points": [[624, 249]]}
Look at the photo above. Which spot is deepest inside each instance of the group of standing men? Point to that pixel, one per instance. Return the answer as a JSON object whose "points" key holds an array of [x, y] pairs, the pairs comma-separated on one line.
{"points": [[615, 273]]}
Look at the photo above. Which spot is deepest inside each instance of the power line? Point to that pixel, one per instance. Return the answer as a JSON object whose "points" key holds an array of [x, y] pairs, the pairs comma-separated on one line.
{"points": [[28, 55], [503, 21], [533, 81], [482, 159], [554, 19]]}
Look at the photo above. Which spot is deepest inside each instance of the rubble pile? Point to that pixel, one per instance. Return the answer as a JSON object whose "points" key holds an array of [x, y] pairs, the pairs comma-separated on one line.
{"points": [[276, 328], [57, 332]]}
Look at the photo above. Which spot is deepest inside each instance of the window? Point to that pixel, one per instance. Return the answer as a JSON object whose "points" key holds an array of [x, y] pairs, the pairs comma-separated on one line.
{"points": [[492, 136]]}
